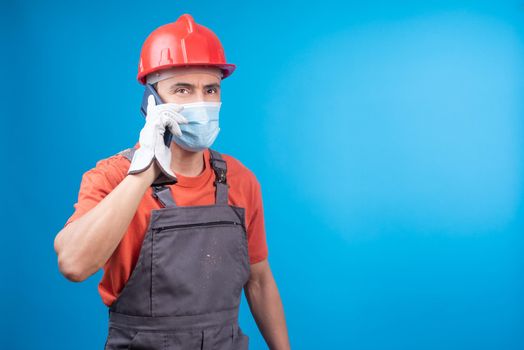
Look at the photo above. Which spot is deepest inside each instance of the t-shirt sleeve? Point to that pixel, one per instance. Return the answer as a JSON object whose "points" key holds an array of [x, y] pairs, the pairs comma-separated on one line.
{"points": [[97, 183], [256, 233]]}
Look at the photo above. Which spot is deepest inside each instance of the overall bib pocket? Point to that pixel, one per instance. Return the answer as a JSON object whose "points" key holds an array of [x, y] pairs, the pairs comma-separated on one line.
{"points": [[196, 278]]}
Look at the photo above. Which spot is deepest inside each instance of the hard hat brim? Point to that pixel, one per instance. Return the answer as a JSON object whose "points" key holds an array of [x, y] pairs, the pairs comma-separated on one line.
{"points": [[227, 69]]}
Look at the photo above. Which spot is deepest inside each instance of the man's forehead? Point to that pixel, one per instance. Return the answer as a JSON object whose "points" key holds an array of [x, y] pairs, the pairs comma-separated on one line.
{"points": [[184, 71]]}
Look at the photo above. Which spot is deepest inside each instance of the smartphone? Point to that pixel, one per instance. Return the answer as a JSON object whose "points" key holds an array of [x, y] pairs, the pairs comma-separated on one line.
{"points": [[150, 90]]}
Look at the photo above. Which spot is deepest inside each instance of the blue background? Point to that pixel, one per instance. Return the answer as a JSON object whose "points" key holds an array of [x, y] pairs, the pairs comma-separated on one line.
{"points": [[387, 137]]}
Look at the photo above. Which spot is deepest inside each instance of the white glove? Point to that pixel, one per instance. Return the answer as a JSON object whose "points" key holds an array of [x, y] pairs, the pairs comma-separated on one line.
{"points": [[151, 140]]}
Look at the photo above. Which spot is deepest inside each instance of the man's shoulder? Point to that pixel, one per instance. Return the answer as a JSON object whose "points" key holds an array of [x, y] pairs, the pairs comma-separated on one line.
{"points": [[114, 167]]}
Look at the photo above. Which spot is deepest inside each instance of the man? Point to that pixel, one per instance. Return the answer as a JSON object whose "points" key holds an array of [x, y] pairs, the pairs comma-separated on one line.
{"points": [[178, 229]]}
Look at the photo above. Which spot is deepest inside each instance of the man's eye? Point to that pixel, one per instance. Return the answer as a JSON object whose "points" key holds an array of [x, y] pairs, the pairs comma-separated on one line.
{"points": [[212, 91], [182, 90]]}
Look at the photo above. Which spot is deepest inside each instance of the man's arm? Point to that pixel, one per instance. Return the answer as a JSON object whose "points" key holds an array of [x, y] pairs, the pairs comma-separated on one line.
{"points": [[84, 245], [266, 306]]}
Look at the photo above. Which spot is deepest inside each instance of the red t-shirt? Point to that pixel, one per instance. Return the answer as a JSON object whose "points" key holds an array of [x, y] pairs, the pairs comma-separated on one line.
{"points": [[98, 182]]}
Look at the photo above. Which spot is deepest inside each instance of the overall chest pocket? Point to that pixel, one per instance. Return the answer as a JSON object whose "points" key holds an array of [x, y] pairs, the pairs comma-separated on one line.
{"points": [[197, 268]]}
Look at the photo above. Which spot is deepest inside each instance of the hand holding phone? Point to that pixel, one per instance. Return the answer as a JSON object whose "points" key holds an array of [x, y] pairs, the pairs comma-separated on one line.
{"points": [[150, 91], [161, 119]]}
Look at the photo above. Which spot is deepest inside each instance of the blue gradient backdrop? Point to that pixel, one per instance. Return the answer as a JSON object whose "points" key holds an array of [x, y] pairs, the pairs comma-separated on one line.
{"points": [[387, 136]]}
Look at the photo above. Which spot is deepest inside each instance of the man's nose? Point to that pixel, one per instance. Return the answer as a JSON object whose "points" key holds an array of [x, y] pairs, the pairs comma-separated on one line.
{"points": [[201, 97]]}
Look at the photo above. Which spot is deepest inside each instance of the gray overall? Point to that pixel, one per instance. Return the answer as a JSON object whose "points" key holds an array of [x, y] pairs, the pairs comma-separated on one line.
{"points": [[184, 292]]}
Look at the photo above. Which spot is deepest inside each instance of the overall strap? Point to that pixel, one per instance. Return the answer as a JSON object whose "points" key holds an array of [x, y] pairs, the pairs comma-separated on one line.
{"points": [[220, 167], [160, 191], [163, 194], [128, 153]]}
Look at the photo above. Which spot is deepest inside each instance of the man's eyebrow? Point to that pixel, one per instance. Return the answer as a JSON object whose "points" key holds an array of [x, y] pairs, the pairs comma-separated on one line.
{"points": [[212, 85], [187, 85]]}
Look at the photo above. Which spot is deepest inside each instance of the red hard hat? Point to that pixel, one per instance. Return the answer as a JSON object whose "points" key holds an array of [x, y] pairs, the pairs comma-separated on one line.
{"points": [[182, 43]]}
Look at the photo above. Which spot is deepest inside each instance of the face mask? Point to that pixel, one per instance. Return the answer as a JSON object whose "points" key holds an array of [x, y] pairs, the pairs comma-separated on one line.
{"points": [[202, 128]]}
